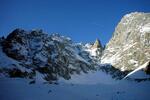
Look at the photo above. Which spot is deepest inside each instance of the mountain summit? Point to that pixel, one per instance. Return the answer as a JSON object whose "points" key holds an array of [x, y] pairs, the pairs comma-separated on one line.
{"points": [[97, 44]]}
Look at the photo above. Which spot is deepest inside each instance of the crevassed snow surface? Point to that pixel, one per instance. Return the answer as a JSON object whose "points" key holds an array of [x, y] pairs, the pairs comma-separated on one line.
{"points": [[79, 88]]}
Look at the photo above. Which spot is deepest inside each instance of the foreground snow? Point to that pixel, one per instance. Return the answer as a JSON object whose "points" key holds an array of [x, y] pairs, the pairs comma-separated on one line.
{"points": [[90, 78], [78, 88]]}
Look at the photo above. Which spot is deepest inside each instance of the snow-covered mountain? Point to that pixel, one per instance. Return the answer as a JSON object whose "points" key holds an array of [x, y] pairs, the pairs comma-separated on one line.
{"points": [[75, 68], [24, 53], [129, 48]]}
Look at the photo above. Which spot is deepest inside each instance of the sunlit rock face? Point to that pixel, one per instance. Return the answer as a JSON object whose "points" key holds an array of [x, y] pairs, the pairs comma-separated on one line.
{"points": [[97, 44], [129, 47], [95, 49]]}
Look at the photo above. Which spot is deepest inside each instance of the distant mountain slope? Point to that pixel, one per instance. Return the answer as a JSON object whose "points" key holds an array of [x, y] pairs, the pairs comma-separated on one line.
{"points": [[129, 47]]}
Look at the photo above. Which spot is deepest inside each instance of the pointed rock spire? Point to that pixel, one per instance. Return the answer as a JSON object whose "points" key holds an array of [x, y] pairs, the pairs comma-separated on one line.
{"points": [[97, 44]]}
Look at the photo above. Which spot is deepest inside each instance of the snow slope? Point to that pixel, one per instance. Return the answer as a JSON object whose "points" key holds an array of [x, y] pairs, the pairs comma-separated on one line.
{"points": [[90, 78], [20, 89], [5, 61], [138, 73]]}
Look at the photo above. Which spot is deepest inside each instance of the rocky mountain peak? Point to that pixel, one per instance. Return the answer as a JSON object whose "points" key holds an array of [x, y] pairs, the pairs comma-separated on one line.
{"points": [[52, 55], [130, 45], [97, 44]]}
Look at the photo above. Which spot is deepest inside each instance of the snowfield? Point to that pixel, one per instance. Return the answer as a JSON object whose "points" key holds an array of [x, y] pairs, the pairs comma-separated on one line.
{"points": [[92, 86]]}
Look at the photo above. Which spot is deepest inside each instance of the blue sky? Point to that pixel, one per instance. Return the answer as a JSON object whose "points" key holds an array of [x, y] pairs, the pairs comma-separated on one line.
{"points": [[82, 20]]}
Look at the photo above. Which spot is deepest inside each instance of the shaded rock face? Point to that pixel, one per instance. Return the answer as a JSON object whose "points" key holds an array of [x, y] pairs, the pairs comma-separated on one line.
{"points": [[129, 47], [147, 69], [52, 55]]}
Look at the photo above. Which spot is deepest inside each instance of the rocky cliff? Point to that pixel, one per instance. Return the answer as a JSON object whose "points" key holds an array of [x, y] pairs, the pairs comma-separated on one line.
{"points": [[129, 47]]}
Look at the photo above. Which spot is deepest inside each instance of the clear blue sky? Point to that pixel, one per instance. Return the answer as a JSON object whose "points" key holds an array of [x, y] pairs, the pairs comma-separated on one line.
{"points": [[82, 20]]}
